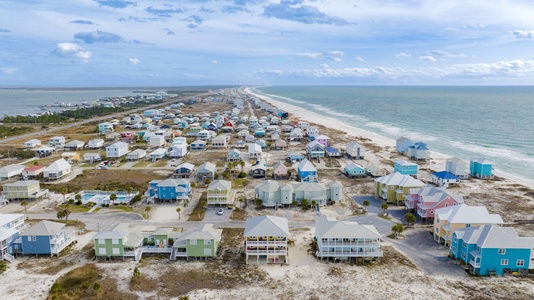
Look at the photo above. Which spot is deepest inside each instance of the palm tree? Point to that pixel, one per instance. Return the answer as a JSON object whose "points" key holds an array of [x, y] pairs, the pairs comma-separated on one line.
{"points": [[397, 229], [148, 209], [67, 212], [24, 204], [366, 204], [384, 207], [178, 210], [304, 204], [60, 214], [78, 197], [242, 164], [64, 190], [204, 204], [294, 203], [314, 203], [410, 219], [259, 203], [112, 198]]}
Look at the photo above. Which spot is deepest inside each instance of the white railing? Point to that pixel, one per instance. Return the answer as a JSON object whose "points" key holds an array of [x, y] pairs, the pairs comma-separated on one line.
{"points": [[377, 253], [348, 244], [9, 257], [266, 251], [278, 243], [156, 250], [62, 243], [474, 263]]}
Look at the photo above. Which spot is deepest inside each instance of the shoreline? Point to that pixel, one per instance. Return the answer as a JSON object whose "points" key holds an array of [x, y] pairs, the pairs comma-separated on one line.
{"points": [[381, 141]]}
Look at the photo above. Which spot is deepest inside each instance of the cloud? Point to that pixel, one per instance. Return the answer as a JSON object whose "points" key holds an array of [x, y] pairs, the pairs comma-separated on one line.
{"points": [[215, 62], [133, 60], [83, 22], [169, 32], [293, 10], [443, 54], [115, 3], [97, 37], [4, 30], [194, 21], [9, 71], [524, 34], [330, 55], [167, 12], [324, 66], [233, 9], [402, 55], [72, 50], [358, 58], [427, 58]]}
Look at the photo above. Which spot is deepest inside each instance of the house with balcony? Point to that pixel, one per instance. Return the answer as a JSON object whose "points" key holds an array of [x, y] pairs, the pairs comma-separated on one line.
{"points": [[273, 194], [74, 145], [119, 242], [136, 154], [105, 127], [220, 141], [205, 171], [279, 170], [33, 172], [158, 154], [448, 219], [198, 145], [418, 151], [44, 238], [11, 171], [57, 142], [95, 144], [492, 250], [481, 168], [296, 134], [426, 200], [266, 240], [295, 156], [254, 152], [259, 170], [203, 243], [457, 167], [33, 143], [354, 150], [394, 187], [205, 135], [312, 131], [323, 140], [405, 167], [10, 227], [57, 170], [185, 170], [346, 241], [353, 170], [169, 189], [234, 155], [315, 150], [444, 178], [307, 171], [22, 190], [220, 193], [117, 150], [375, 171]]}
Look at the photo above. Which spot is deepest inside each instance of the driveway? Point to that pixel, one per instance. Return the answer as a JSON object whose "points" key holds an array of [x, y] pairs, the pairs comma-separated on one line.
{"points": [[212, 216]]}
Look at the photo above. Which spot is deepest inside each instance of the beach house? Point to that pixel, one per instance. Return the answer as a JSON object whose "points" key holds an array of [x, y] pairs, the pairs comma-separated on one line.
{"points": [[202, 243], [206, 171], [354, 170], [295, 156], [402, 144], [156, 141], [233, 155], [259, 170], [279, 170], [418, 151], [33, 143], [303, 125], [354, 150], [33, 172], [205, 135], [272, 194], [136, 154], [457, 167], [57, 170], [184, 170], [426, 200], [312, 131], [44, 238], [178, 147], [312, 192], [492, 250], [279, 144], [307, 171], [22, 189], [57, 142], [74, 145], [323, 140], [10, 228], [220, 193], [95, 144], [11, 171], [105, 127], [117, 150], [220, 141], [448, 219], [346, 241], [405, 167], [375, 170], [119, 242], [169, 189], [315, 150], [394, 187], [157, 154], [198, 145], [481, 168], [254, 152], [92, 157], [266, 240], [444, 178], [295, 134]]}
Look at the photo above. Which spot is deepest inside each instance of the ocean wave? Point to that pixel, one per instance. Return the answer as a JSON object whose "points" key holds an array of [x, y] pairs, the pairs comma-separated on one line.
{"points": [[277, 97], [387, 128], [335, 113], [500, 153]]}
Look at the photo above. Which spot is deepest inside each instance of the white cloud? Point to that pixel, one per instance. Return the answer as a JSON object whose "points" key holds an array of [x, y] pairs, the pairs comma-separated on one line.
{"points": [[443, 54], [358, 58], [524, 34], [427, 58], [214, 62], [402, 55], [9, 71], [72, 50], [324, 66], [134, 60], [330, 55]]}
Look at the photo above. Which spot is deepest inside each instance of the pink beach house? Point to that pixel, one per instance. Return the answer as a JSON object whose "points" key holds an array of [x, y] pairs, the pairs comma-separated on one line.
{"points": [[424, 201], [323, 140]]}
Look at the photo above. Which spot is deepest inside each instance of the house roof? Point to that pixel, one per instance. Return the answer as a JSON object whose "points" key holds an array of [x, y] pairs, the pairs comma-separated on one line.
{"points": [[456, 160], [269, 186], [199, 142], [222, 185], [306, 166], [322, 137], [481, 160], [266, 226], [326, 227], [353, 145], [352, 165], [173, 182], [118, 145], [314, 144], [207, 166], [280, 165], [74, 143], [33, 168], [44, 228], [403, 162], [403, 139], [335, 184], [206, 233], [159, 151], [58, 165], [399, 179], [162, 231], [137, 152], [254, 148], [187, 166], [445, 175], [8, 218], [465, 214], [492, 236], [22, 183], [331, 150], [310, 187], [11, 168], [286, 187]]}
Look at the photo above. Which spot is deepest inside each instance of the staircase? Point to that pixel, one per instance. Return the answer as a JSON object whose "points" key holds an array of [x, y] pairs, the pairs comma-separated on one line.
{"points": [[8, 257], [173, 254], [318, 210]]}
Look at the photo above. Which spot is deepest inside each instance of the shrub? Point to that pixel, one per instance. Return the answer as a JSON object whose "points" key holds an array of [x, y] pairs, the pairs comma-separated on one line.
{"points": [[71, 201], [79, 202], [242, 175]]}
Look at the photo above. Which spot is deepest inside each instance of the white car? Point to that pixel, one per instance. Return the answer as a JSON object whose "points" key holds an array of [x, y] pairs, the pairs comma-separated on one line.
{"points": [[220, 211]]}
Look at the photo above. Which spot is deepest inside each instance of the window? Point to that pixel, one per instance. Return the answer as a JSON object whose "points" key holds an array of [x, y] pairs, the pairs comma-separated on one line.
{"points": [[467, 225], [115, 241], [29, 238], [102, 251], [207, 251], [502, 251], [116, 251], [431, 212], [192, 242], [478, 248], [101, 241], [34, 238], [464, 244], [520, 263], [207, 242], [454, 239], [504, 262], [446, 204]]}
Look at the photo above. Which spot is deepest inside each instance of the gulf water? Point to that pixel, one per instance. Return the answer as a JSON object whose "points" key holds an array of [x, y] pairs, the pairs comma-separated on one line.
{"points": [[493, 122]]}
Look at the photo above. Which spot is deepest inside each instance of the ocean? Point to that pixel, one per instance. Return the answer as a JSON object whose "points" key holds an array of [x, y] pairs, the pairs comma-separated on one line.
{"points": [[494, 122], [18, 101]]}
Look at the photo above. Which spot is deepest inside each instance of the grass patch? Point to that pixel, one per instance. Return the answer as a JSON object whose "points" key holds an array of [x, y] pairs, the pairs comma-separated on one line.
{"points": [[159, 164], [199, 212], [3, 267], [240, 183], [238, 214], [142, 163], [96, 210], [78, 208], [143, 283], [124, 208]]}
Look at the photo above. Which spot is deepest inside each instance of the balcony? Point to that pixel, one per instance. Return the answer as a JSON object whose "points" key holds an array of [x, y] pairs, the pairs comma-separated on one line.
{"points": [[409, 204], [474, 263], [279, 252], [347, 243], [58, 244], [264, 243], [153, 249], [376, 253]]}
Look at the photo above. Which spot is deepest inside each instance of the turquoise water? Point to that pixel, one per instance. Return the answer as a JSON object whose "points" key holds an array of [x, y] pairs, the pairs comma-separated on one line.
{"points": [[467, 122]]}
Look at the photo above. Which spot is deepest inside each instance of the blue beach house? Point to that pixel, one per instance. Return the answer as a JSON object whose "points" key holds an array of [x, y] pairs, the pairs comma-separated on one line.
{"points": [[444, 178], [481, 168], [405, 167], [105, 127], [491, 249], [44, 238], [306, 171], [354, 170], [169, 189], [402, 144], [418, 151]]}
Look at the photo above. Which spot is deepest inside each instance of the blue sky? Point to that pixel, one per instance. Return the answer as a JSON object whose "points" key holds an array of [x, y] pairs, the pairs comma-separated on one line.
{"points": [[312, 42]]}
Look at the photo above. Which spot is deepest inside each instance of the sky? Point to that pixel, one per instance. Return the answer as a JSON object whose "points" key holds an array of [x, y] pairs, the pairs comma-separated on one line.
{"points": [[271, 42]]}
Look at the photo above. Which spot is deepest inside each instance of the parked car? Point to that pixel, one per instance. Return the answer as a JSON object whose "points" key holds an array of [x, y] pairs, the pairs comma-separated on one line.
{"points": [[220, 211]]}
